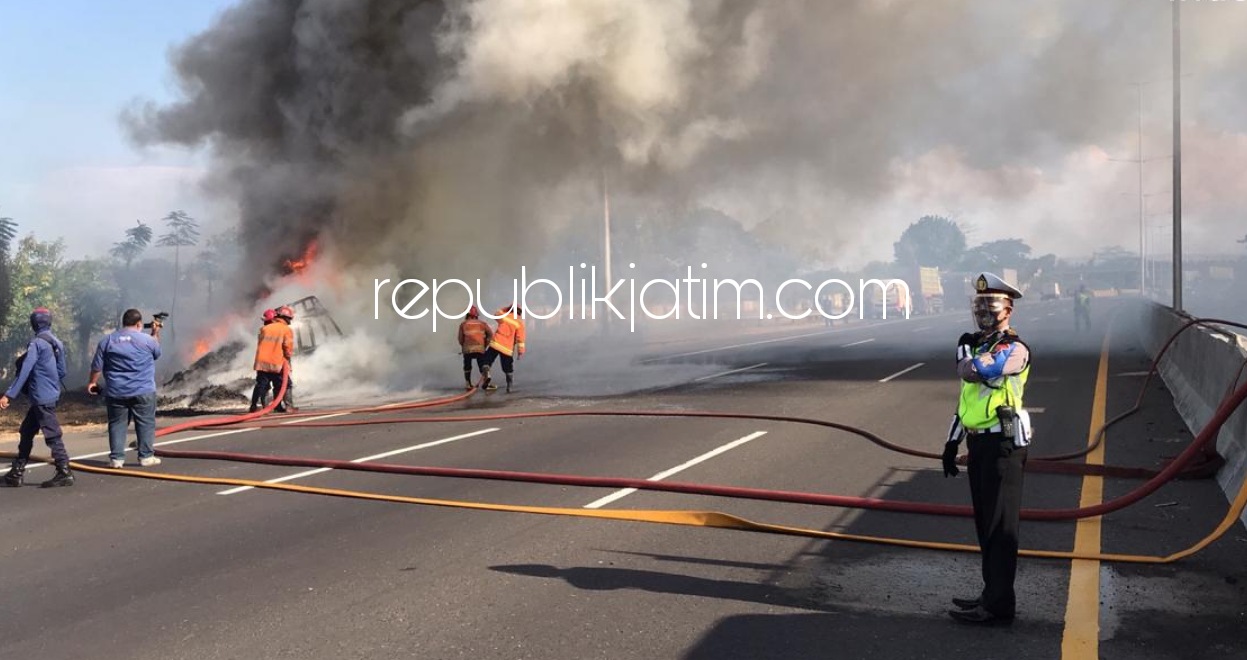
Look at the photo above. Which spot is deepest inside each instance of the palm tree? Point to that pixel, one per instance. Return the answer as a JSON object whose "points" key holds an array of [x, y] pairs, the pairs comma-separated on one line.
{"points": [[8, 232], [183, 232], [138, 238], [208, 263]]}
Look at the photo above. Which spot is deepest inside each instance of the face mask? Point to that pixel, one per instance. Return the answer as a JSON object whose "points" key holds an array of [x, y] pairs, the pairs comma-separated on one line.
{"points": [[988, 312]]}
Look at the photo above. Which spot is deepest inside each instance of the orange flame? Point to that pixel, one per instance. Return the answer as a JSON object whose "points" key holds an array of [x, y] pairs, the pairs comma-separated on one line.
{"points": [[212, 337], [297, 266]]}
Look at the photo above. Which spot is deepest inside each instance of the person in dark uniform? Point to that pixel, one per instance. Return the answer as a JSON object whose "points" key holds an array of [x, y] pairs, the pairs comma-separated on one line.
{"points": [[39, 377], [993, 365]]}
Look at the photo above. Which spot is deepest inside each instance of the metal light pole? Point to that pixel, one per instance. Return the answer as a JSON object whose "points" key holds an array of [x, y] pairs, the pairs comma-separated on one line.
{"points": [[606, 229], [1142, 245], [1151, 272], [606, 248], [1177, 159]]}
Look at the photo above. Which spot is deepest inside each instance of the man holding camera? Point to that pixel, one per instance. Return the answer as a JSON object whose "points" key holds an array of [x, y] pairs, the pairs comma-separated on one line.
{"points": [[993, 365], [127, 360]]}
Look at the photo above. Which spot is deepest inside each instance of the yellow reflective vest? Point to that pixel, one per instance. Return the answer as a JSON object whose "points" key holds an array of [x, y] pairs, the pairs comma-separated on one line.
{"points": [[979, 401]]}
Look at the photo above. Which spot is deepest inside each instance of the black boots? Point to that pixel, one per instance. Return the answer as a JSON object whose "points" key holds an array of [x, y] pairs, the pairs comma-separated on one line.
{"points": [[16, 473], [63, 477], [508, 383]]}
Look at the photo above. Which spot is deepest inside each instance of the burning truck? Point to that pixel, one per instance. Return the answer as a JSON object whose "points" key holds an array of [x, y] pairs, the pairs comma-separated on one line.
{"points": [[222, 377]]}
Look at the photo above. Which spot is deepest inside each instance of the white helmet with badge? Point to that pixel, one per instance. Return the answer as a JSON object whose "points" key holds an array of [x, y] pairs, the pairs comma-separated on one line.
{"points": [[992, 296], [989, 283]]}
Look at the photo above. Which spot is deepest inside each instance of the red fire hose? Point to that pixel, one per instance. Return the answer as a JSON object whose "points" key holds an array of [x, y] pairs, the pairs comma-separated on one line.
{"points": [[1198, 445]]}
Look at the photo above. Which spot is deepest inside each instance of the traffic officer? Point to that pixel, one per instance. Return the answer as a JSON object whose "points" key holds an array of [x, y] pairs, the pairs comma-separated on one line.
{"points": [[993, 365], [1082, 309]]}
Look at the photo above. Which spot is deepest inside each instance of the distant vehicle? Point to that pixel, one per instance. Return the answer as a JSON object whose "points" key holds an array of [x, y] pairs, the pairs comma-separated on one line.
{"points": [[1051, 291], [930, 298], [890, 302]]}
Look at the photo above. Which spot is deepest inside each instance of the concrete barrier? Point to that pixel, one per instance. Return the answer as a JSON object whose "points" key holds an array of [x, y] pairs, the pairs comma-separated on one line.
{"points": [[1200, 369]]}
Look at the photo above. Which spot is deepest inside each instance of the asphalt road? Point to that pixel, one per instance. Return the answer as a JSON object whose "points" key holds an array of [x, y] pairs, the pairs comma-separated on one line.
{"points": [[129, 568]]}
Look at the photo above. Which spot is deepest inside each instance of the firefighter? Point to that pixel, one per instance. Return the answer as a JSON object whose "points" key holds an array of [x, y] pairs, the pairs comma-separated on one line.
{"points": [[285, 314], [507, 342], [259, 394], [474, 337], [273, 350]]}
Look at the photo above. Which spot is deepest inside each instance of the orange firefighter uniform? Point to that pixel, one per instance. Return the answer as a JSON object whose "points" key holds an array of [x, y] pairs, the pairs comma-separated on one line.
{"points": [[274, 348], [507, 343], [475, 336]]}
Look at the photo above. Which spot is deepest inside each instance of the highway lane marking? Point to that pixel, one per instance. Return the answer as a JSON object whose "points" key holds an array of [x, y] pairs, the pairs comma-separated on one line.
{"points": [[619, 494], [732, 371], [922, 329], [1036, 410], [859, 343], [1081, 638], [158, 444], [777, 339], [313, 419], [902, 372], [1051, 313], [365, 459], [760, 342]]}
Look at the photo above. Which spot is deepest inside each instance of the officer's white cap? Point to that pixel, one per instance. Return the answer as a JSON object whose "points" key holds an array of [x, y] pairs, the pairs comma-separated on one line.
{"points": [[991, 283]]}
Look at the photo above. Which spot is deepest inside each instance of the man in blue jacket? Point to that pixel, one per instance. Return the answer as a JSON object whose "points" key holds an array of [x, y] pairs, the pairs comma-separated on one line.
{"points": [[39, 378], [127, 360]]}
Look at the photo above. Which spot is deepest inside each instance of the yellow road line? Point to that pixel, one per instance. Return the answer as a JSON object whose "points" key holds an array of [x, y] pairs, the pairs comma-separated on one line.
{"points": [[1081, 639]]}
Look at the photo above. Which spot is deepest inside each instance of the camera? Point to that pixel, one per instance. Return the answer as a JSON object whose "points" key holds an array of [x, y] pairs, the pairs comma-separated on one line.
{"points": [[158, 320]]}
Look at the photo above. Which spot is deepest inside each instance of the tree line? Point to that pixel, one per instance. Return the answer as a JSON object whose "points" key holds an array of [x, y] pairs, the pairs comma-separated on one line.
{"points": [[87, 295]]}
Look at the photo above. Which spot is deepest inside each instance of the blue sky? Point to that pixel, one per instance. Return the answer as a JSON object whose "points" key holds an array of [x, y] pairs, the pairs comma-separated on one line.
{"points": [[67, 68]]}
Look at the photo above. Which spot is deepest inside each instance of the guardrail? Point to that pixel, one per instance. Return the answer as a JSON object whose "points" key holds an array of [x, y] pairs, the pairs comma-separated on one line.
{"points": [[1203, 365]]}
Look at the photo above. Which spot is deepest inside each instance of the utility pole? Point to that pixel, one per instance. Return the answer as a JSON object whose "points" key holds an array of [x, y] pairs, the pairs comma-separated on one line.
{"points": [[1177, 159], [606, 245], [1139, 160], [606, 229], [1138, 87]]}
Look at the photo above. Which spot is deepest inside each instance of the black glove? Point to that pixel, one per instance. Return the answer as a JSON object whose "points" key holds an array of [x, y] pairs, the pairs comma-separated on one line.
{"points": [[950, 459], [965, 346]]}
